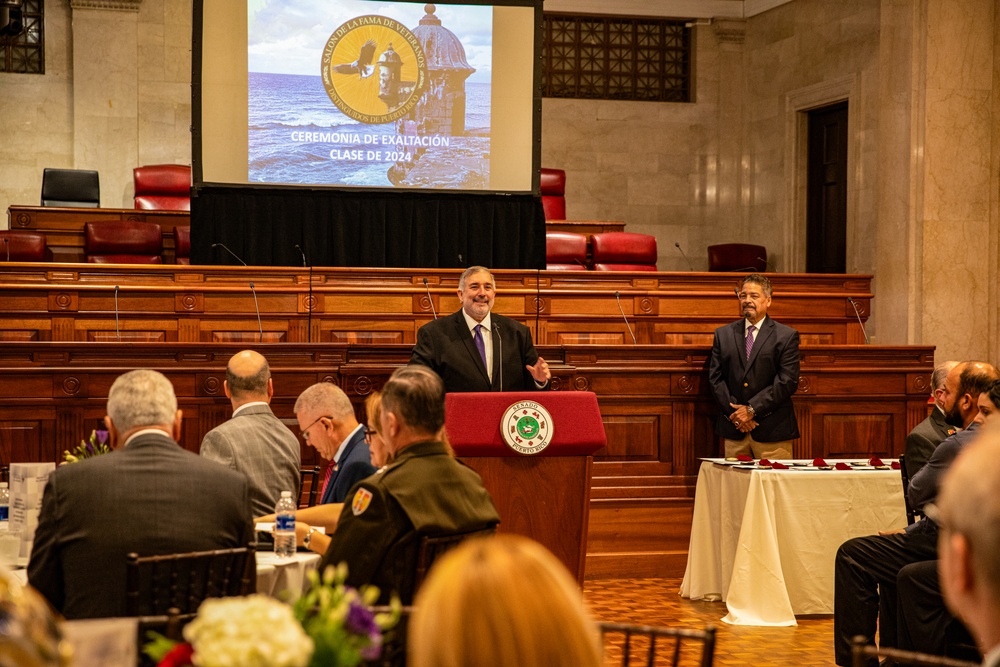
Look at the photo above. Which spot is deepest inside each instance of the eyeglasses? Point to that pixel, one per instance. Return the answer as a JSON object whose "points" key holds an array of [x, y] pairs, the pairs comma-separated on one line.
{"points": [[369, 434], [305, 431]]}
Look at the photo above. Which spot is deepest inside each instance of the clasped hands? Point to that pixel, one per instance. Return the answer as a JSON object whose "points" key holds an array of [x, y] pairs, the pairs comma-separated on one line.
{"points": [[742, 419]]}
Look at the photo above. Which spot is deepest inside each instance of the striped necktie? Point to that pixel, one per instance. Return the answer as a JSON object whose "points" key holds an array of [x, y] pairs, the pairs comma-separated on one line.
{"points": [[749, 341]]}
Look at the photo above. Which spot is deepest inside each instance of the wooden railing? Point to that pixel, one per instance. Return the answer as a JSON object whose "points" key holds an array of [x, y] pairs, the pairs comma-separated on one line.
{"points": [[77, 302]]}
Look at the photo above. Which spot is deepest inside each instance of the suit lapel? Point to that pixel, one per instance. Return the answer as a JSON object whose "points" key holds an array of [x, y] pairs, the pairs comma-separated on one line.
{"points": [[765, 333]]}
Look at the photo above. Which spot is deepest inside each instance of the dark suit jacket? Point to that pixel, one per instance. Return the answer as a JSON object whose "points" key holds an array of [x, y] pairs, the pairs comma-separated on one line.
{"points": [[446, 346], [257, 444], [355, 464], [924, 439], [924, 485], [766, 381], [151, 497]]}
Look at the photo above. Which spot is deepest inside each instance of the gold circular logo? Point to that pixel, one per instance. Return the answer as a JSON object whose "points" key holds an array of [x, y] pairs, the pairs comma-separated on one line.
{"points": [[374, 69]]}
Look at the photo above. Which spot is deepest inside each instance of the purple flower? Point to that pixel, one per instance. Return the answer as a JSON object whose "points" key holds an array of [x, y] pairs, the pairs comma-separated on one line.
{"points": [[102, 436], [361, 620], [90, 447]]}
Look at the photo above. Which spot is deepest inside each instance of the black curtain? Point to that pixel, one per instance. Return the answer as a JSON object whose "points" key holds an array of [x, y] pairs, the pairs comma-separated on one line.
{"points": [[374, 229]]}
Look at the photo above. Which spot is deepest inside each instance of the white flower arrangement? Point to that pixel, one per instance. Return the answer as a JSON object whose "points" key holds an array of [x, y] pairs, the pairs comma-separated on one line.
{"points": [[252, 631]]}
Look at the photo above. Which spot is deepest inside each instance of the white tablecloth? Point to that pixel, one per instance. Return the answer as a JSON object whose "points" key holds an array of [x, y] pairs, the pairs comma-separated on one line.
{"points": [[276, 575], [764, 541]]}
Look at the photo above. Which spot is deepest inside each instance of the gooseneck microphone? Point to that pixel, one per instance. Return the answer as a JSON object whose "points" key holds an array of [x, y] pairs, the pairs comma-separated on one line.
{"points": [[118, 332], [223, 246], [678, 246], [858, 314], [301, 252], [428, 289], [260, 327], [622, 310]]}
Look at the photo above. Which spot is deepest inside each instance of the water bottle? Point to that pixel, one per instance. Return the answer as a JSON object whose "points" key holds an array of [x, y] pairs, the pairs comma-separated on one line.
{"points": [[4, 502], [284, 526]]}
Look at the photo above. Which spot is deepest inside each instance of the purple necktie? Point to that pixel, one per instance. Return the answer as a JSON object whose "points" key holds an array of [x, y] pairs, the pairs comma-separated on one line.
{"points": [[481, 344], [749, 340]]}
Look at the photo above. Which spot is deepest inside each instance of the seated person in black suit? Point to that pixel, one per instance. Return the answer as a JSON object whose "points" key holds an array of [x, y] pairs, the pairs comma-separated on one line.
{"points": [[475, 349], [928, 434], [147, 496]]}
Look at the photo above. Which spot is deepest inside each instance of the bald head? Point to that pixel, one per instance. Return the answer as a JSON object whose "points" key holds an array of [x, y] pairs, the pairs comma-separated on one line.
{"points": [[962, 386], [248, 378]]}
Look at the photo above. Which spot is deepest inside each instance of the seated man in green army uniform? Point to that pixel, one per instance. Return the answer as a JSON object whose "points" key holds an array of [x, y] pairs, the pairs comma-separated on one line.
{"points": [[425, 491]]}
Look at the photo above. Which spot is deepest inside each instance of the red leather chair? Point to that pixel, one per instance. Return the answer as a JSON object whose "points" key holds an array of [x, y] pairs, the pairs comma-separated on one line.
{"points": [[21, 246], [123, 242], [565, 251], [553, 185], [623, 251], [182, 245], [165, 187], [737, 257]]}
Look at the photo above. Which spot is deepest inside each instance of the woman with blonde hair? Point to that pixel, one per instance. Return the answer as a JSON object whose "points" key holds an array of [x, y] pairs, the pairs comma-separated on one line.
{"points": [[503, 601]]}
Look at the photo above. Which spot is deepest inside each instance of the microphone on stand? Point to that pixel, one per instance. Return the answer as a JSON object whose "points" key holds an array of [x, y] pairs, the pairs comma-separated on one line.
{"points": [[260, 327], [768, 266], [634, 342], [118, 332], [309, 320], [223, 246], [427, 287], [678, 246], [858, 314]]}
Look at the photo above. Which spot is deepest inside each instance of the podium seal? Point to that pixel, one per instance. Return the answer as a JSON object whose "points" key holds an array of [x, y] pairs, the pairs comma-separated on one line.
{"points": [[527, 427]]}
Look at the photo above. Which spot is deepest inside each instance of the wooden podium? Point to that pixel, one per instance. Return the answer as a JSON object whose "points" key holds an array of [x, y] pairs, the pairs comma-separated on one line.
{"points": [[544, 496]]}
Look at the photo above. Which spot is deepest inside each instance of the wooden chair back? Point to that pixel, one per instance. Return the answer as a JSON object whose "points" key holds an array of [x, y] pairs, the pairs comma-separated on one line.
{"points": [[155, 584], [310, 492], [650, 646], [911, 514], [864, 654], [433, 547]]}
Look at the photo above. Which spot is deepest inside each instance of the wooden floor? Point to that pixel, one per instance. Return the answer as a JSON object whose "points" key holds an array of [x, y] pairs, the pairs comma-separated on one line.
{"points": [[658, 602]]}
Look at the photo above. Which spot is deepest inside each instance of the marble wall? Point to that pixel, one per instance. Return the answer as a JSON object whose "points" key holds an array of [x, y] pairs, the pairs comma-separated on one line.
{"points": [[922, 78]]}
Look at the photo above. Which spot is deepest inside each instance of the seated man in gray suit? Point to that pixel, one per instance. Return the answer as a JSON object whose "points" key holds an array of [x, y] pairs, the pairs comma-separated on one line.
{"points": [[254, 441], [327, 422], [148, 496]]}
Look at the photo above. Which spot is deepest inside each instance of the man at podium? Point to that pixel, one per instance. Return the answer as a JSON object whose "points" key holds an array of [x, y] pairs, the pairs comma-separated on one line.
{"points": [[477, 350]]}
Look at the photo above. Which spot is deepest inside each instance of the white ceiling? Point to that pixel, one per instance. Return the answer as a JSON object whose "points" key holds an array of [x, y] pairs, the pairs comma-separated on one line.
{"points": [[696, 9]]}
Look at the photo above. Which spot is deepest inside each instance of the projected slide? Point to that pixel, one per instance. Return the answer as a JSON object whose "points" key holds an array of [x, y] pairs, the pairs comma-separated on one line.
{"points": [[370, 94]]}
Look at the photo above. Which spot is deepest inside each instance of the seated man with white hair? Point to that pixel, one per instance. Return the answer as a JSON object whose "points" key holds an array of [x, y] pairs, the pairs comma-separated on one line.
{"points": [[148, 496]]}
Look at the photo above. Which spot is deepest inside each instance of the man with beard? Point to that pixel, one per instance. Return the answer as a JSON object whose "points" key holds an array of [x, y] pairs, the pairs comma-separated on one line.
{"points": [[477, 350], [928, 434], [866, 568], [753, 371]]}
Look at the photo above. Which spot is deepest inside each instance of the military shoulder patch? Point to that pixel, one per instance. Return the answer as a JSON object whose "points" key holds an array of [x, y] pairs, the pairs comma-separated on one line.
{"points": [[362, 498]]}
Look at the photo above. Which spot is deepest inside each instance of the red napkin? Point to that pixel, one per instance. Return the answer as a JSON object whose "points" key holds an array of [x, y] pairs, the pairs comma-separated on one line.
{"points": [[875, 461], [764, 463], [778, 466], [744, 458], [895, 465], [842, 466], [819, 463]]}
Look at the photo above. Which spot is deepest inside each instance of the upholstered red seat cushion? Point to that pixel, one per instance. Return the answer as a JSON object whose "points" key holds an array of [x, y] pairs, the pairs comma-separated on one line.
{"points": [[623, 251], [553, 186], [21, 246], [737, 257], [163, 187], [565, 251], [182, 245], [123, 242]]}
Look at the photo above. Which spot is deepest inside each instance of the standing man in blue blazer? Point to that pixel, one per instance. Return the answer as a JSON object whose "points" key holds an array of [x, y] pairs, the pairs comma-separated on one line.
{"points": [[327, 422], [754, 370]]}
